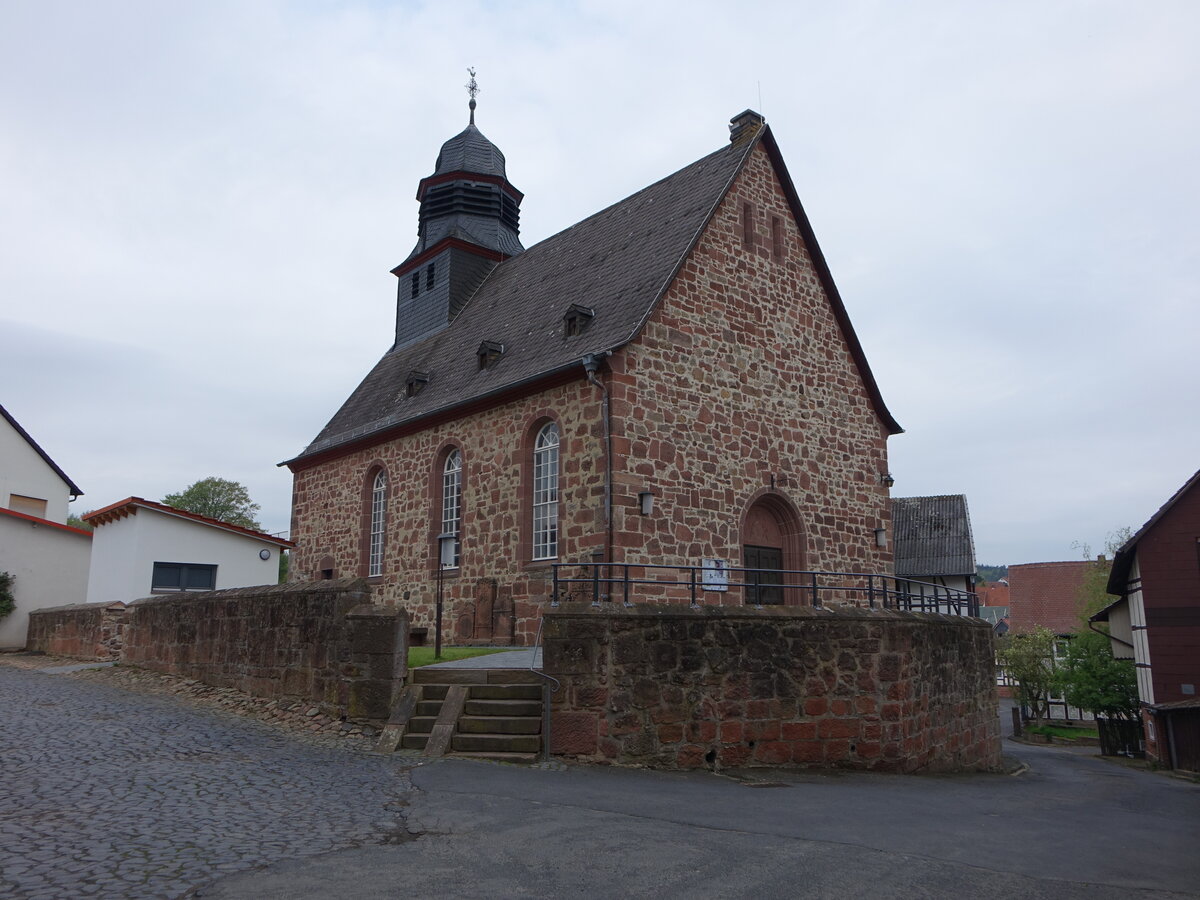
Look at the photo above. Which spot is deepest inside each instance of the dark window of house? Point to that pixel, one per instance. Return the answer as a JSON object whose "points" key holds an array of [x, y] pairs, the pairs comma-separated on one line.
{"points": [[416, 283], [776, 237], [748, 224], [429, 277], [183, 577]]}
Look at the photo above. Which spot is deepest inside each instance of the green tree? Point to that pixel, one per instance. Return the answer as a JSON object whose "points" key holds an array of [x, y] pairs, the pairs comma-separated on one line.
{"points": [[77, 521], [1093, 593], [1092, 679], [217, 498], [991, 574], [284, 560], [1029, 659], [7, 602]]}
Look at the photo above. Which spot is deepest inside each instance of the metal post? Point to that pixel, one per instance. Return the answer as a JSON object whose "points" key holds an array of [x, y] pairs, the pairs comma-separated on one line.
{"points": [[816, 599], [595, 583], [625, 577], [437, 630], [692, 571], [871, 591], [757, 590]]}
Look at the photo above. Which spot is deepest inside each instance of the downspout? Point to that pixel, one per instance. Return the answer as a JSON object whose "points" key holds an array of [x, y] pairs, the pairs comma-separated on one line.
{"points": [[591, 365]]}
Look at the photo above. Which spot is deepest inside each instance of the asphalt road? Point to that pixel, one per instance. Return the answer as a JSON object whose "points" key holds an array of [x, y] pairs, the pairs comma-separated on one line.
{"points": [[109, 793]]}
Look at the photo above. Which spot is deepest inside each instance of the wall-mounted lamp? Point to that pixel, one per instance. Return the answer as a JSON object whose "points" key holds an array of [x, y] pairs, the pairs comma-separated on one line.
{"points": [[880, 537], [646, 503], [888, 479]]}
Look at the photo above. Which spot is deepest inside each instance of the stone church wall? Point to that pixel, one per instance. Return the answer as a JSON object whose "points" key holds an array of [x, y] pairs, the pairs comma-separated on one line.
{"points": [[672, 687], [496, 579], [743, 386]]}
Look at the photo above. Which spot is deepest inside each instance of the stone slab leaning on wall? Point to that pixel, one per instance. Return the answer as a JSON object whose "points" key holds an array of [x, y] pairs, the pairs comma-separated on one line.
{"points": [[673, 687]]}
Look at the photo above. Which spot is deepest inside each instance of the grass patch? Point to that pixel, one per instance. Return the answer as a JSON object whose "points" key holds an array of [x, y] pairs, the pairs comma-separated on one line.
{"points": [[1064, 731], [423, 656]]}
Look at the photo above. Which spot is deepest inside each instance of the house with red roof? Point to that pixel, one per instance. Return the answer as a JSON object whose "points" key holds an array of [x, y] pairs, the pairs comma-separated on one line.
{"points": [[47, 559], [1047, 594], [142, 548]]}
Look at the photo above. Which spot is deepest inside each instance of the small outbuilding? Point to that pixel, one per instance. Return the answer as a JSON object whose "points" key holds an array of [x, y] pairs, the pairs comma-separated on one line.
{"points": [[141, 548], [934, 544]]}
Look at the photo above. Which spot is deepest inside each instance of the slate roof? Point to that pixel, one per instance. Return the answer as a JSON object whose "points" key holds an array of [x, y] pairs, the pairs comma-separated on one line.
{"points": [[470, 151], [933, 536], [72, 487], [619, 262]]}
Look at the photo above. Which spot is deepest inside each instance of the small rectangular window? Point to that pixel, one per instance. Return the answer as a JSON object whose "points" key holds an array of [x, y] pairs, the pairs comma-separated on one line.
{"points": [[776, 237], [416, 283], [183, 577], [31, 506], [429, 277]]}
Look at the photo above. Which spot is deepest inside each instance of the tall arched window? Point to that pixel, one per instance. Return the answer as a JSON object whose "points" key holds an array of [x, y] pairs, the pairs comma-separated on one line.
{"points": [[545, 493], [452, 508], [378, 524]]}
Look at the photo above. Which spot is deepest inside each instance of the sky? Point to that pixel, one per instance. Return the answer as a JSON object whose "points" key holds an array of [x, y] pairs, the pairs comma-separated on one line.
{"points": [[200, 205]]}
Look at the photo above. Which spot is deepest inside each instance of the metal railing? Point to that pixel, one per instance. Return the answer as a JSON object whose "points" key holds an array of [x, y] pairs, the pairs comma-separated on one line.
{"points": [[547, 691], [624, 582]]}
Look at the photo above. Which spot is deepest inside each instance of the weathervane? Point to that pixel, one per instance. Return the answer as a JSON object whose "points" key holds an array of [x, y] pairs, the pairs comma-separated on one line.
{"points": [[472, 89]]}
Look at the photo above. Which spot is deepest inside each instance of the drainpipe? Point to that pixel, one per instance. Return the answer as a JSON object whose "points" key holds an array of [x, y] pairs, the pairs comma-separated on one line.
{"points": [[591, 365]]}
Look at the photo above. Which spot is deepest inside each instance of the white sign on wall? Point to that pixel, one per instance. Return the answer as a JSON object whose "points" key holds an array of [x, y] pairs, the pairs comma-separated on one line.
{"points": [[715, 575]]}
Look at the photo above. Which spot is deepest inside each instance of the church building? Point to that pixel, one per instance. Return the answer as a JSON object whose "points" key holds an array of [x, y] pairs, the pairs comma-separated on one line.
{"points": [[672, 381]]}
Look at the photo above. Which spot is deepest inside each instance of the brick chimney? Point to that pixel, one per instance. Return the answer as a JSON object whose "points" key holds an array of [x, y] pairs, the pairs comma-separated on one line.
{"points": [[744, 125]]}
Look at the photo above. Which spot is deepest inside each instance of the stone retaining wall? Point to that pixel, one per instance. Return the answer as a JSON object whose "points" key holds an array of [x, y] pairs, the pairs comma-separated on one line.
{"points": [[674, 687], [321, 641], [81, 630]]}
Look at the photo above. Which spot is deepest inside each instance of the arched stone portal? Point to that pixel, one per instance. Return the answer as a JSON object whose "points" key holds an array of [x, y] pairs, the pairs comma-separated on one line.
{"points": [[772, 543]]}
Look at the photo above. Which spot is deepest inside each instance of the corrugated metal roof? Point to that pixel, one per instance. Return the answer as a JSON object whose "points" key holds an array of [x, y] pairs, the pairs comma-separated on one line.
{"points": [[933, 536]]}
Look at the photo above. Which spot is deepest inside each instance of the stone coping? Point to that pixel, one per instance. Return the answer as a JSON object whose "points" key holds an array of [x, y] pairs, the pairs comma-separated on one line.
{"points": [[335, 585], [585, 610]]}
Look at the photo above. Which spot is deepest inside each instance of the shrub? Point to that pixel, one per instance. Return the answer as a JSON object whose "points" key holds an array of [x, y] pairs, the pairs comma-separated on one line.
{"points": [[7, 602]]}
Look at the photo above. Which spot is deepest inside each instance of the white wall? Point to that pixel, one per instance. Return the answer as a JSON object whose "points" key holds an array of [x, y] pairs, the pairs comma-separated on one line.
{"points": [[23, 471], [124, 553], [51, 569]]}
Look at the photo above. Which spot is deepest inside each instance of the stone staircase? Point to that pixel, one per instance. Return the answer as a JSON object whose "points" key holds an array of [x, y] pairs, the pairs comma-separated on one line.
{"points": [[480, 713]]}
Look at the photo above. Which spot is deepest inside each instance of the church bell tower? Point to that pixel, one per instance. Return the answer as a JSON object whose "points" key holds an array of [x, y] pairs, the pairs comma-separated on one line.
{"points": [[469, 222]]}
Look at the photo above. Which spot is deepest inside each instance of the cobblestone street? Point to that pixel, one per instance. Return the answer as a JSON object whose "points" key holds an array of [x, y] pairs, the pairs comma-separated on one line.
{"points": [[112, 793]]}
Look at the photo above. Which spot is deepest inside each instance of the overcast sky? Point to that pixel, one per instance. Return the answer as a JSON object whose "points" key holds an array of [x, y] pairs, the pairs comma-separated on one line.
{"points": [[200, 205]]}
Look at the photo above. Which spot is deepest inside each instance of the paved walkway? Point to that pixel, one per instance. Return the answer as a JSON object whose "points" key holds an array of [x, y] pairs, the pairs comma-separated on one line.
{"points": [[509, 659], [105, 793]]}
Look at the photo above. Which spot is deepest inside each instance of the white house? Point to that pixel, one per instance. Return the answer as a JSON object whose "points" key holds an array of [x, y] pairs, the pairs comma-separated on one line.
{"points": [[140, 548], [47, 558]]}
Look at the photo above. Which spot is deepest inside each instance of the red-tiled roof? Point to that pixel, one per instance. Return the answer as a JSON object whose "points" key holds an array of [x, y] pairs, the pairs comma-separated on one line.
{"points": [[39, 521], [130, 505], [1046, 594], [992, 594]]}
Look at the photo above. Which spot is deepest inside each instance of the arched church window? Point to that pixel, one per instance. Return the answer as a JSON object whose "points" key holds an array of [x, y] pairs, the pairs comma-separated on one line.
{"points": [[378, 524], [452, 508], [545, 493]]}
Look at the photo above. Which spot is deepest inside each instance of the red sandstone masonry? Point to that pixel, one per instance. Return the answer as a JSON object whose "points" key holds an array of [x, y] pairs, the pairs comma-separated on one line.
{"points": [[678, 688], [320, 641], [79, 630]]}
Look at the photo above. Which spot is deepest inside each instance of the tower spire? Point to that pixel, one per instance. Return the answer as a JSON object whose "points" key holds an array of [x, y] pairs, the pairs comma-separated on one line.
{"points": [[472, 89]]}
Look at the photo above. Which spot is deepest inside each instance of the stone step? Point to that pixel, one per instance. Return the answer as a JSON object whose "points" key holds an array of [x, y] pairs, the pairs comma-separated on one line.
{"points": [[499, 725], [506, 692], [421, 724], [496, 756], [438, 675], [434, 691], [428, 708], [492, 743], [412, 741], [504, 707]]}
